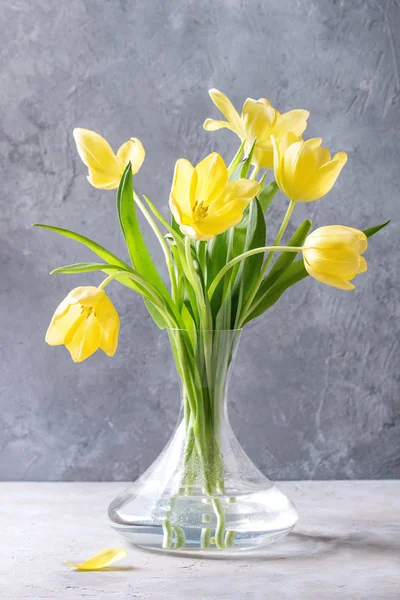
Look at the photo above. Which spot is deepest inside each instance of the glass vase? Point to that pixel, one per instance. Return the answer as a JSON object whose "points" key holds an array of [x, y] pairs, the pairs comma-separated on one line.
{"points": [[203, 494]]}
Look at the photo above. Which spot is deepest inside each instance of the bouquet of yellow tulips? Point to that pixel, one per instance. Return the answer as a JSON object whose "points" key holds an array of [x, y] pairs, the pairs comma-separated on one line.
{"points": [[222, 272]]}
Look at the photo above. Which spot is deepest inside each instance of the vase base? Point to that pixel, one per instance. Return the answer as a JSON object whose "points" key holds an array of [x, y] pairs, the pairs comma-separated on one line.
{"points": [[150, 539], [245, 523]]}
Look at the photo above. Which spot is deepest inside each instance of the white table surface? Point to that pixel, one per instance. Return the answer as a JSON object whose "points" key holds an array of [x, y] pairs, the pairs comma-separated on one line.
{"points": [[346, 545]]}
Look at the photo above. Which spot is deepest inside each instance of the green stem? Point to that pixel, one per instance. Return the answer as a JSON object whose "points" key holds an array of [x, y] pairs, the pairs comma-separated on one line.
{"points": [[220, 528], [230, 538], [266, 264], [254, 172], [163, 243], [278, 238], [180, 539], [153, 225], [152, 293], [204, 309], [245, 255], [236, 159], [167, 539], [205, 537]]}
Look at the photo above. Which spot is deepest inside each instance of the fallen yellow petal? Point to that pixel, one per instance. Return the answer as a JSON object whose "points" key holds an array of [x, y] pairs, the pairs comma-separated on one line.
{"points": [[102, 559]]}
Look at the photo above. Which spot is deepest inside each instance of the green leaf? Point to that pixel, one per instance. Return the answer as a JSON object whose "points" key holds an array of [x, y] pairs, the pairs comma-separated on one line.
{"points": [[217, 253], [96, 248], [295, 273], [282, 264], [254, 230], [100, 251], [236, 159], [86, 268], [373, 230], [157, 316], [285, 259], [201, 256], [267, 194], [175, 227], [139, 255], [243, 168]]}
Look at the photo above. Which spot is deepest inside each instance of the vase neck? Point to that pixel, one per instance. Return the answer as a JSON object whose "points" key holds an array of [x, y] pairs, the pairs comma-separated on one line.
{"points": [[204, 361]]}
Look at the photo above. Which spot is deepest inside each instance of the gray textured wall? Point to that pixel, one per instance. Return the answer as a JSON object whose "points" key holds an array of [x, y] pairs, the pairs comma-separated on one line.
{"points": [[316, 389]]}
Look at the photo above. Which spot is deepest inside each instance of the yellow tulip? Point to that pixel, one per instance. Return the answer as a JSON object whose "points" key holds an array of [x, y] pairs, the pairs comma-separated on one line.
{"points": [[85, 321], [203, 201], [332, 254], [258, 120], [304, 170], [105, 167]]}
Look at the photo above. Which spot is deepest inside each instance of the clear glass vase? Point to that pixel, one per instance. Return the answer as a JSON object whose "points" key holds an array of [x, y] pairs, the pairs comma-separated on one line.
{"points": [[203, 494]]}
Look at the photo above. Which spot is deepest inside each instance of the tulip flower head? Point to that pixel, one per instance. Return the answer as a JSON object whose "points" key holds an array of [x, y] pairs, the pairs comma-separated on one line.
{"points": [[258, 121], [204, 203], [332, 255], [105, 167], [85, 321], [304, 170]]}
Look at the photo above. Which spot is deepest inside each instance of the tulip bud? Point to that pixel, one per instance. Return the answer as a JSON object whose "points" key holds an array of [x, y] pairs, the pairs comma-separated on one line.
{"points": [[304, 171], [332, 255]]}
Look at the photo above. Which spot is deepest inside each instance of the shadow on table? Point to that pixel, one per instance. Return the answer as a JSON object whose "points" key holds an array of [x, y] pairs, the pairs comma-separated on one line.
{"points": [[304, 546], [308, 546]]}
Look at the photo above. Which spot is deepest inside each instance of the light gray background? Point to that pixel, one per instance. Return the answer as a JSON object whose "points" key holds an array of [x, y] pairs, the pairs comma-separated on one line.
{"points": [[315, 393]]}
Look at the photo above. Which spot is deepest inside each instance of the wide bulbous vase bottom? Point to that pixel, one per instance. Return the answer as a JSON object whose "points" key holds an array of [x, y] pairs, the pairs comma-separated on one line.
{"points": [[252, 519], [203, 494]]}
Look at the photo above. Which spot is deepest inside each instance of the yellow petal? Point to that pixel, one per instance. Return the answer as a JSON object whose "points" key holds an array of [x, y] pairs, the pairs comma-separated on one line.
{"points": [[304, 170], [288, 167], [85, 339], [103, 181], [102, 559], [324, 179], [241, 191], [336, 282], [214, 224], [61, 324], [182, 190], [322, 155], [277, 162], [215, 125], [132, 151], [263, 157], [108, 319], [228, 110], [294, 121], [363, 265], [194, 233], [258, 119], [109, 342], [337, 235], [338, 261], [212, 176], [97, 155], [279, 149], [87, 295]]}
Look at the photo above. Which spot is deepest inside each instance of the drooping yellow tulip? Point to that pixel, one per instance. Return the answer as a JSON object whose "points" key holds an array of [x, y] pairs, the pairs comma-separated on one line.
{"points": [[258, 120], [105, 167], [332, 254], [203, 201], [85, 321], [304, 170]]}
